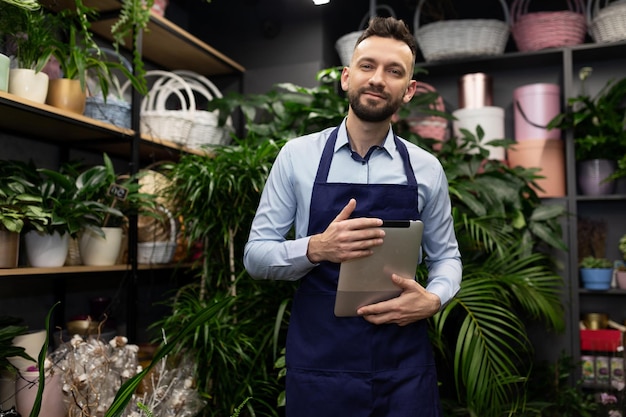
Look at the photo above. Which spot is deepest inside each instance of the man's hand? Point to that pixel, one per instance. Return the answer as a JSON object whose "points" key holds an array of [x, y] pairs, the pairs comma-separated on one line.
{"points": [[346, 238], [413, 304]]}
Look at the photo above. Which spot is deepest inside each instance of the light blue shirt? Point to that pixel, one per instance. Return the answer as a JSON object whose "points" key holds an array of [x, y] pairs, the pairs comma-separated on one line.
{"points": [[286, 200]]}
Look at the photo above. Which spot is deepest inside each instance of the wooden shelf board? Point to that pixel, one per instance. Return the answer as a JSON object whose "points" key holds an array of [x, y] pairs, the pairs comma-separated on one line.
{"points": [[78, 269], [168, 46], [50, 124]]}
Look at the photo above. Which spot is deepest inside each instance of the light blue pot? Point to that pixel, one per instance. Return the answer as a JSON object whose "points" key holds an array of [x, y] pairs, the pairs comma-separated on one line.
{"points": [[596, 278]]}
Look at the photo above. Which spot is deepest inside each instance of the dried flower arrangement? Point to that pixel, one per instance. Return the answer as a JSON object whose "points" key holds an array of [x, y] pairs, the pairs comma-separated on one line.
{"points": [[93, 372]]}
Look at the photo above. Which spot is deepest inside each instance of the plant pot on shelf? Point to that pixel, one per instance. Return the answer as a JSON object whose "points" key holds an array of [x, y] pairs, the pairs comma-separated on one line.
{"points": [[592, 174], [596, 278], [9, 249], [66, 94], [620, 277], [546, 154], [52, 401], [5, 63], [32, 342], [96, 250], [46, 250], [28, 84], [7, 390]]}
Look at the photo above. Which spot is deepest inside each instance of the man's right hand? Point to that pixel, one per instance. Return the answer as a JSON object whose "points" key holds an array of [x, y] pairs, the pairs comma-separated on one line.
{"points": [[346, 238]]}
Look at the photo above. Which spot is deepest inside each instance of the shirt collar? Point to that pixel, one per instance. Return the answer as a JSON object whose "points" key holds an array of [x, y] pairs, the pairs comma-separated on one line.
{"points": [[342, 140]]}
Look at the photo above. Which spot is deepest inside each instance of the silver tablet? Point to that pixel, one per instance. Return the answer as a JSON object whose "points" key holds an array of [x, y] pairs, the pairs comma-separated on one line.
{"points": [[367, 280]]}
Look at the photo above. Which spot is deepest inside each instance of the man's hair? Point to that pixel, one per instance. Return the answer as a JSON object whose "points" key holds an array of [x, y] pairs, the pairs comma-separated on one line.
{"points": [[390, 27]]}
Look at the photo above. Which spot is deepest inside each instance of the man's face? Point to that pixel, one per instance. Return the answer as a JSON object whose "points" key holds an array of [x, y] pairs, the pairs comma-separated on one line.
{"points": [[378, 80]]}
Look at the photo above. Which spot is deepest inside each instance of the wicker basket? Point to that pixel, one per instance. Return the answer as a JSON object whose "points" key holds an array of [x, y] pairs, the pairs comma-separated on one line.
{"points": [[461, 38], [168, 110], [550, 29], [158, 251], [115, 112], [428, 126], [205, 130], [345, 44], [607, 22]]}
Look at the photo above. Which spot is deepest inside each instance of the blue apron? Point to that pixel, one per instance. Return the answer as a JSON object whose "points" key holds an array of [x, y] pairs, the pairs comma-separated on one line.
{"points": [[338, 367]]}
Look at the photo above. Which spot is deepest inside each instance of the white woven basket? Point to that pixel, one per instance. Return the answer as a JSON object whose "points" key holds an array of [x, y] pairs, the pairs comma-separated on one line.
{"points": [[461, 38], [606, 21], [345, 44], [168, 110], [159, 252], [205, 130]]}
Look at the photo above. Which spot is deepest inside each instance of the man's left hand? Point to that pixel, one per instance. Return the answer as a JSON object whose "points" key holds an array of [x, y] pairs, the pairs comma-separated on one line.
{"points": [[413, 304]]}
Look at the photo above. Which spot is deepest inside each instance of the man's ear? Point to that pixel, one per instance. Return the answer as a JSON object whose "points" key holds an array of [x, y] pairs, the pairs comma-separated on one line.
{"points": [[410, 91], [345, 74]]}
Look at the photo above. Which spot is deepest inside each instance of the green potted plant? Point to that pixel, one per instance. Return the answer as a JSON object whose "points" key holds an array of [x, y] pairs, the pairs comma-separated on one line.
{"points": [[599, 137], [29, 37], [20, 205], [10, 328], [68, 215], [596, 273], [80, 57], [122, 197]]}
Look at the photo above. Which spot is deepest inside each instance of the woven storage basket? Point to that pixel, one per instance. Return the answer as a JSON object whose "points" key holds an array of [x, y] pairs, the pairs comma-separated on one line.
{"points": [[345, 44], [115, 112], [159, 251], [550, 29], [607, 21], [168, 110], [428, 126], [461, 38], [205, 130]]}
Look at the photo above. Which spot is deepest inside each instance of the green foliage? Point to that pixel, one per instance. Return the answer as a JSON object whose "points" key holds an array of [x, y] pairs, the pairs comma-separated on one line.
{"points": [[31, 31], [11, 327], [34, 412], [79, 54], [93, 185], [593, 262], [217, 196], [551, 393], [20, 202], [24, 4], [598, 122]]}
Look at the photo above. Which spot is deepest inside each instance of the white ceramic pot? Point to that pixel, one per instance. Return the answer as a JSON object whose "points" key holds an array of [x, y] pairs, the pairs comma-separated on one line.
{"points": [[96, 250], [52, 403], [32, 342], [5, 63], [46, 250], [490, 119], [28, 84]]}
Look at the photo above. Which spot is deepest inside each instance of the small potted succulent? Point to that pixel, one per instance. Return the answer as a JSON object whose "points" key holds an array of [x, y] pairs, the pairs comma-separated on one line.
{"points": [[596, 273]]}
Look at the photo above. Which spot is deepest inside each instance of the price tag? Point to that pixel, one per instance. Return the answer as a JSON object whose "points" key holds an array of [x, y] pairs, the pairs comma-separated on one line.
{"points": [[118, 192]]}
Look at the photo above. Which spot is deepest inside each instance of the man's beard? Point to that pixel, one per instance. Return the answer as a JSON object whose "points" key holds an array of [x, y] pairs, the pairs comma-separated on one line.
{"points": [[369, 113]]}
